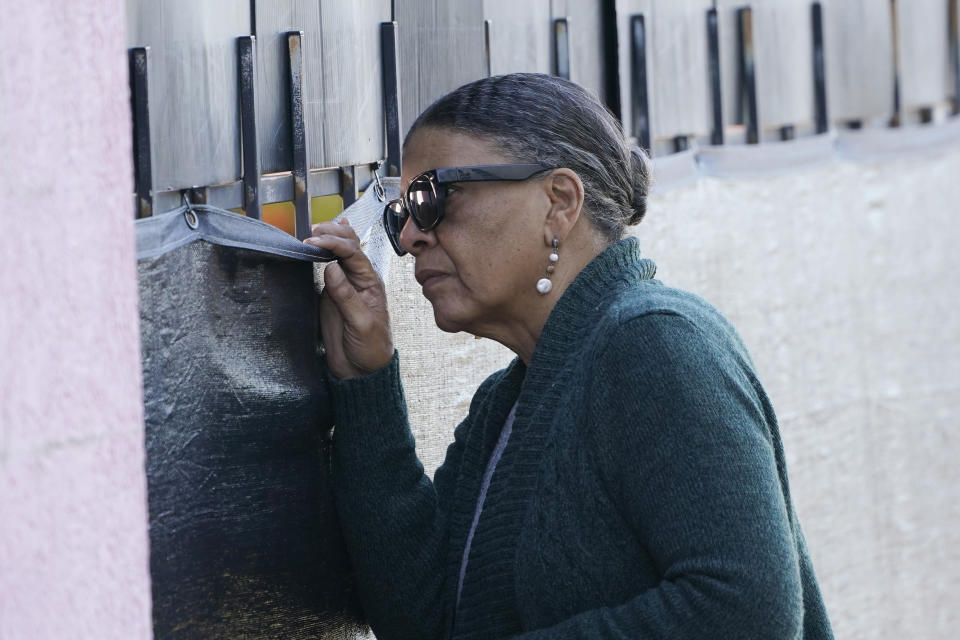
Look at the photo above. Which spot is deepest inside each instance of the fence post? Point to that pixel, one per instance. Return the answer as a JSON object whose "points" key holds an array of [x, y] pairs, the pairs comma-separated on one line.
{"points": [[247, 70], [140, 108]]}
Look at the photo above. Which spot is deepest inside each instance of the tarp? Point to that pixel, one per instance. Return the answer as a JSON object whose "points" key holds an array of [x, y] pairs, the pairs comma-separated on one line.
{"points": [[243, 531]]}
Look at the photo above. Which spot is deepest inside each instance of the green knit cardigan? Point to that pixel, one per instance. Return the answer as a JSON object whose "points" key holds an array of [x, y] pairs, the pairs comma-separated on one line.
{"points": [[642, 494]]}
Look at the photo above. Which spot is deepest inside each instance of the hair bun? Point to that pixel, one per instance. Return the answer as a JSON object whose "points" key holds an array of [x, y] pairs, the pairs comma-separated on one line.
{"points": [[640, 172]]}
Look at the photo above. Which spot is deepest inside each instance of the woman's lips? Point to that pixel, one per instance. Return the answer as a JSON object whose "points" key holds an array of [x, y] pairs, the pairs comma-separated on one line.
{"points": [[432, 280], [429, 279], [426, 276]]}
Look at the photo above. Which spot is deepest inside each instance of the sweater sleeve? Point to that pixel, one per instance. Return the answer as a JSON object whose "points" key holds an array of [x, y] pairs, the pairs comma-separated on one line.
{"points": [[392, 515], [683, 445]]}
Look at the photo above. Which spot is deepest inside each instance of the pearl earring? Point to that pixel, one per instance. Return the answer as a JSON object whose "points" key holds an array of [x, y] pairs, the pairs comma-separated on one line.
{"points": [[543, 284]]}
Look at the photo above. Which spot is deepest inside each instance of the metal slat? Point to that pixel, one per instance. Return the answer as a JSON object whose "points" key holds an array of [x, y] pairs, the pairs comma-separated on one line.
{"points": [[274, 18], [343, 97], [955, 52], [441, 45], [922, 43], [747, 95], [389, 47], [486, 46], [247, 74], [640, 106], [586, 47], [193, 70], [561, 48], [859, 62], [298, 133], [348, 186], [897, 117], [822, 121], [518, 37], [350, 58], [676, 39], [139, 58], [678, 64], [781, 46], [609, 47], [713, 62]]}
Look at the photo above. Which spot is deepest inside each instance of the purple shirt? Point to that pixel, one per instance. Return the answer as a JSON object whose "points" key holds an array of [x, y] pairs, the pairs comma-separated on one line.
{"points": [[488, 474]]}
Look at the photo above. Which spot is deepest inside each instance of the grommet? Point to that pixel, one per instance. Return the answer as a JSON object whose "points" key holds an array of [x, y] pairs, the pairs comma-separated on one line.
{"points": [[189, 215]]}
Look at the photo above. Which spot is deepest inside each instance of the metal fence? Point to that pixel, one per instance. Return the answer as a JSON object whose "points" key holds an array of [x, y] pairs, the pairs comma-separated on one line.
{"points": [[243, 104]]}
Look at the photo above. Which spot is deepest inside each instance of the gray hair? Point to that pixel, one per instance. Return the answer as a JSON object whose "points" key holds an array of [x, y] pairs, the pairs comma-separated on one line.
{"points": [[533, 117]]}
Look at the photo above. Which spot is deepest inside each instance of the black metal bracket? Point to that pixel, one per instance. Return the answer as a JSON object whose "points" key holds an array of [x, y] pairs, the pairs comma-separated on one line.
{"points": [[639, 103], [897, 118], [561, 47], [391, 95], [609, 44], [298, 133], [247, 84], [822, 121], [955, 52], [139, 58], [713, 65], [348, 185], [747, 95], [195, 195], [486, 47]]}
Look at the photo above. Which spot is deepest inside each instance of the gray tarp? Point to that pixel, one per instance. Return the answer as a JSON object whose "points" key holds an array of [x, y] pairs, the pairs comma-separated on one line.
{"points": [[243, 531]]}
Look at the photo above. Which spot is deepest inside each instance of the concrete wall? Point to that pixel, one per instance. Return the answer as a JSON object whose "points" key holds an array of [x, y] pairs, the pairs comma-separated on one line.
{"points": [[842, 280], [73, 538]]}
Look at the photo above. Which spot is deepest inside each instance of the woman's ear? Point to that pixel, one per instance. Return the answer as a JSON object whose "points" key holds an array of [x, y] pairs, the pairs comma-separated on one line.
{"points": [[565, 192]]}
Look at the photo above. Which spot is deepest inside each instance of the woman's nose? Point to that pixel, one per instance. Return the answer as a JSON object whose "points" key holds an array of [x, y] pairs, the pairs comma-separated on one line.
{"points": [[413, 239]]}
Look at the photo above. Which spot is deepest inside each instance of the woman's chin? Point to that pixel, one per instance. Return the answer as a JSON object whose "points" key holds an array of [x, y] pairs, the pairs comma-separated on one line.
{"points": [[450, 320], [446, 323]]}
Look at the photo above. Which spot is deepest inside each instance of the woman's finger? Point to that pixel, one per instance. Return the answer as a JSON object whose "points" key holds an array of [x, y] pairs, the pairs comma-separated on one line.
{"points": [[356, 335], [347, 250], [344, 295], [331, 326], [339, 227]]}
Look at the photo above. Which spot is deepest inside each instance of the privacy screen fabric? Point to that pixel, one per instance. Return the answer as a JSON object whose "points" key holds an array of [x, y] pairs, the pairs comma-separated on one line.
{"points": [[243, 532]]}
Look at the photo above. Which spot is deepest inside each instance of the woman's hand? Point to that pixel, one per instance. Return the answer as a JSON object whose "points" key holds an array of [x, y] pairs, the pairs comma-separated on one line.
{"points": [[353, 305]]}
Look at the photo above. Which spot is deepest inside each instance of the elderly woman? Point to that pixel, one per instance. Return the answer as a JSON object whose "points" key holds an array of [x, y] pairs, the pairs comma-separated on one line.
{"points": [[624, 476]]}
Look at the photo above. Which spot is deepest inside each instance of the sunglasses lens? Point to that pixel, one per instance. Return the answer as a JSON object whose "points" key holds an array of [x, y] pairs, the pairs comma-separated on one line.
{"points": [[422, 202], [394, 217]]}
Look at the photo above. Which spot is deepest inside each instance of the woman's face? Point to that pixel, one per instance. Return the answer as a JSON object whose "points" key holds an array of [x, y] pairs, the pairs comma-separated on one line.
{"points": [[479, 266]]}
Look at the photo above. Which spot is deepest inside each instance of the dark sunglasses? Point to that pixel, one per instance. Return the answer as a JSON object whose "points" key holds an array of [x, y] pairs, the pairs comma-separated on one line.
{"points": [[424, 200]]}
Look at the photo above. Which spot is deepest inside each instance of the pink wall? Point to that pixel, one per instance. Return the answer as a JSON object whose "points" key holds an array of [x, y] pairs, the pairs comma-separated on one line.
{"points": [[73, 517]]}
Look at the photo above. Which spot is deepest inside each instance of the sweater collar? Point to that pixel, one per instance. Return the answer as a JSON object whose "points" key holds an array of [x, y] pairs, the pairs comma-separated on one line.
{"points": [[618, 267]]}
